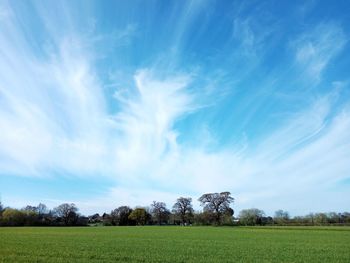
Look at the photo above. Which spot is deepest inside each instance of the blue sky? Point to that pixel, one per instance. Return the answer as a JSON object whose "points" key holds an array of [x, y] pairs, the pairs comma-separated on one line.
{"points": [[125, 102]]}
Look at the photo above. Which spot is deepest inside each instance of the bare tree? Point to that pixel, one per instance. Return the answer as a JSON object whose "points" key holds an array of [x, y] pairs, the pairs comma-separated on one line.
{"points": [[281, 217], [250, 217], [159, 211], [68, 213], [216, 203], [41, 209], [183, 208]]}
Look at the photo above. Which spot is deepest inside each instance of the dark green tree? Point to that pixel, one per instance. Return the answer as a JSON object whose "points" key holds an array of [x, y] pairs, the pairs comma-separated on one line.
{"points": [[139, 215], [120, 216]]}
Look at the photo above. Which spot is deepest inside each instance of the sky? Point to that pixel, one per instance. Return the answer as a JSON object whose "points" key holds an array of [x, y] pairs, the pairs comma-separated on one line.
{"points": [[109, 103]]}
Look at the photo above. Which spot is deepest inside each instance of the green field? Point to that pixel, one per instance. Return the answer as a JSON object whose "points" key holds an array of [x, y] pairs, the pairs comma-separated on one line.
{"points": [[174, 244]]}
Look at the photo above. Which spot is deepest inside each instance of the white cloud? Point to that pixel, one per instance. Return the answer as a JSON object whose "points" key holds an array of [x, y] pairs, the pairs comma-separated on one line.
{"points": [[298, 129], [316, 48], [64, 124], [307, 154], [146, 121], [53, 113], [54, 116]]}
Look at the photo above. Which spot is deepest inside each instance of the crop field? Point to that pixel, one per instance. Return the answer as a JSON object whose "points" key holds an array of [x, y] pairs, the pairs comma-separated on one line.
{"points": [[175, 244]]}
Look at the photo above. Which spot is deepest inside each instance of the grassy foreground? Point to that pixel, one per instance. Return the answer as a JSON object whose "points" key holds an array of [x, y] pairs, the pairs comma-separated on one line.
{"points": [[174, 244]]}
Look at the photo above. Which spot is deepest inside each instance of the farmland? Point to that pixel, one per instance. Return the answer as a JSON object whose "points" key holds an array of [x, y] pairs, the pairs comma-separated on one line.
{"points": [[175, 244]]}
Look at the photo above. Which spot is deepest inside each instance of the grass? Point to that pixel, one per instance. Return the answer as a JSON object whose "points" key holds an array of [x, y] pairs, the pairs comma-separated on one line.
{"points": [[175, 244]]}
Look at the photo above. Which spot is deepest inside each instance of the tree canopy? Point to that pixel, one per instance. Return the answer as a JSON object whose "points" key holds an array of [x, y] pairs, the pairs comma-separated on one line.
{"points": [[68, 213], [183, 208], [139, 215], [217, 204], [120, 216], [159, 212]]}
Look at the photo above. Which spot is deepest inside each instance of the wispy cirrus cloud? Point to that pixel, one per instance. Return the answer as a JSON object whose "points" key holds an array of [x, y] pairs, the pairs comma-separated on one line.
{"points": [[52, 107], [146, 121], [61, 107], [290, 158], [57, 118], [316, 48]]}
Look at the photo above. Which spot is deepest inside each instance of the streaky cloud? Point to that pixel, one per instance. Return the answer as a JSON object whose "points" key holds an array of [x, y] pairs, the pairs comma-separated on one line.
{"points": [[181, 99]]}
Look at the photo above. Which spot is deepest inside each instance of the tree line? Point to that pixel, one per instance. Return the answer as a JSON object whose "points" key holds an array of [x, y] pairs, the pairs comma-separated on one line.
{"points": [[254, 216], [216, 211]]}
